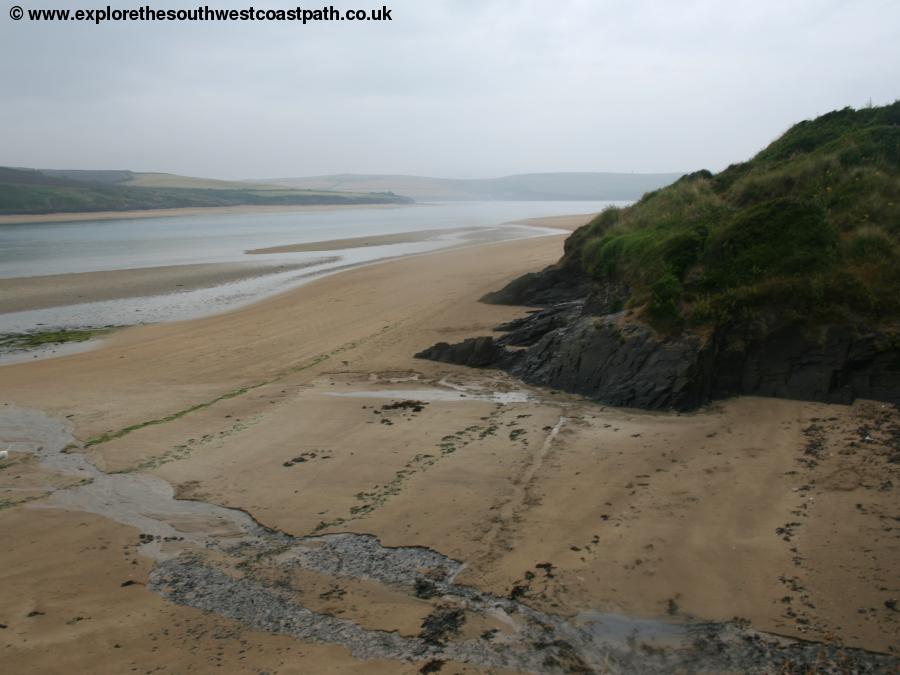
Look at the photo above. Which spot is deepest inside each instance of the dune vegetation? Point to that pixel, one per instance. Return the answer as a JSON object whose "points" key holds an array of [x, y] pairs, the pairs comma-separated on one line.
{"points": [[809, 227]]}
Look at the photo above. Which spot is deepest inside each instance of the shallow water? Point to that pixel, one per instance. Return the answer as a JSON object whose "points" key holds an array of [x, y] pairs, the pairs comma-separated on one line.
{"points": [[137, 499], [503, 397], [175, 532], [195, 303], [86, 246]]}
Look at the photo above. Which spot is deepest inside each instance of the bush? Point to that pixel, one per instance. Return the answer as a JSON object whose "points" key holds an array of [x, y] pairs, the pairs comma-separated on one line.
{"points": [[665, 303], [781, 237], [870, 244]]}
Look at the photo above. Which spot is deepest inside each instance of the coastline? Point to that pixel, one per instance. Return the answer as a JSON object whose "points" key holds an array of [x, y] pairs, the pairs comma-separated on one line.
{"points": [[629, 509], [360, 242], [19, 294], [184, 211], [472, 234]]}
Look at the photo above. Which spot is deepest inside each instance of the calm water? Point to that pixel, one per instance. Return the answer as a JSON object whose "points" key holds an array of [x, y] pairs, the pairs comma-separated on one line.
{"points": [[56, 248]]}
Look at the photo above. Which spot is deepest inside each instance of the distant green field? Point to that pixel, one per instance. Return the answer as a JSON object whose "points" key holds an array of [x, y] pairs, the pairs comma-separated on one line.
{"points": [[27, 191], [171, 180]]}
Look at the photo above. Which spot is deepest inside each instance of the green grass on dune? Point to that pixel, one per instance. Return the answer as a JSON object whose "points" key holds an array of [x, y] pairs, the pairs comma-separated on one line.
{"points": [[810, 226]]}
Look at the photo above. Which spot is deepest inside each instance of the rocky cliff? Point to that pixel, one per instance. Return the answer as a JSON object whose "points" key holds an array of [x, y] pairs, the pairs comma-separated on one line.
{"points": [[626, 363], [777, 277]]}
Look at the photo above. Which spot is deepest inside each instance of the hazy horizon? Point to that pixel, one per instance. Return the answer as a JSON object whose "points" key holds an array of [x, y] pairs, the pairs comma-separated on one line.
{"points": [[342, 173], [446, 89]]}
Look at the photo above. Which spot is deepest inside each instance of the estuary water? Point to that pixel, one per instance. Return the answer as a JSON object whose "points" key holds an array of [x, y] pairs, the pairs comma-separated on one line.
{"points": [[33, 249], [38, 249]]}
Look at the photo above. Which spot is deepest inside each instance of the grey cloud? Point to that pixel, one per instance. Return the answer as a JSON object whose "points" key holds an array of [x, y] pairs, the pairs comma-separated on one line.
{"points": [[455, 88]]}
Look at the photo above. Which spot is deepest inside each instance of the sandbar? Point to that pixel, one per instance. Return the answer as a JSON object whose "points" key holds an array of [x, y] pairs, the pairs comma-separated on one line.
{"points": [[55, 290]]}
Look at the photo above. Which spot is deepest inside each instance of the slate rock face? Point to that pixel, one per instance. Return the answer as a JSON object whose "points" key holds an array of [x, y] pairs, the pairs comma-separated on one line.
{"points": [[836, 363], [476, 352], [625, 363], [529, 329], [550, 286], [628, 364]]}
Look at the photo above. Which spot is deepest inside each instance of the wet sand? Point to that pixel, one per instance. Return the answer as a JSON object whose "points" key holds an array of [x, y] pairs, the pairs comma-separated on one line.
{"points": [[40, 292], [55, 290], [570, 222], [777, 512], [362, 242], [472, 234]]}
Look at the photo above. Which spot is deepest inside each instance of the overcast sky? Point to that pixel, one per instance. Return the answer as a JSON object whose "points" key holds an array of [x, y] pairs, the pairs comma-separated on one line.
{"points": [[454, 88]]}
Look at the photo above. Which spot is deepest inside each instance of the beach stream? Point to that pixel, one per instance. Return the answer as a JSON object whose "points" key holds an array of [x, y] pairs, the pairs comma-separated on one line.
{"points": [[222, 560]]}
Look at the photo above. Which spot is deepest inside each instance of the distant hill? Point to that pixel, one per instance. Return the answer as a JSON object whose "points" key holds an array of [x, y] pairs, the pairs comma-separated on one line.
{"points": [[524, 187], [171, 180], [40, 191], [108, 177], [34, 191]]}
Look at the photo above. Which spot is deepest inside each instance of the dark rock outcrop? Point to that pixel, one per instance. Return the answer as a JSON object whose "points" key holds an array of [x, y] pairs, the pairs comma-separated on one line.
{"points": [[617, 363], [626, 363], [754, 280], [529, 329], [476, 352], [832, 363], [552, 285]]}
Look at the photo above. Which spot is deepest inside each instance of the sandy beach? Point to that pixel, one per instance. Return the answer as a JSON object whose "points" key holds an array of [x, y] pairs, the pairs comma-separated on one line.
{"points": [[292, 411], [359, 242], [24, 293], [471, 235]]}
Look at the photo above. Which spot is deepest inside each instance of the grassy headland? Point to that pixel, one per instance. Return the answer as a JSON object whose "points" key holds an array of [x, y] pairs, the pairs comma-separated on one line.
{"points": [[809, 227]]}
